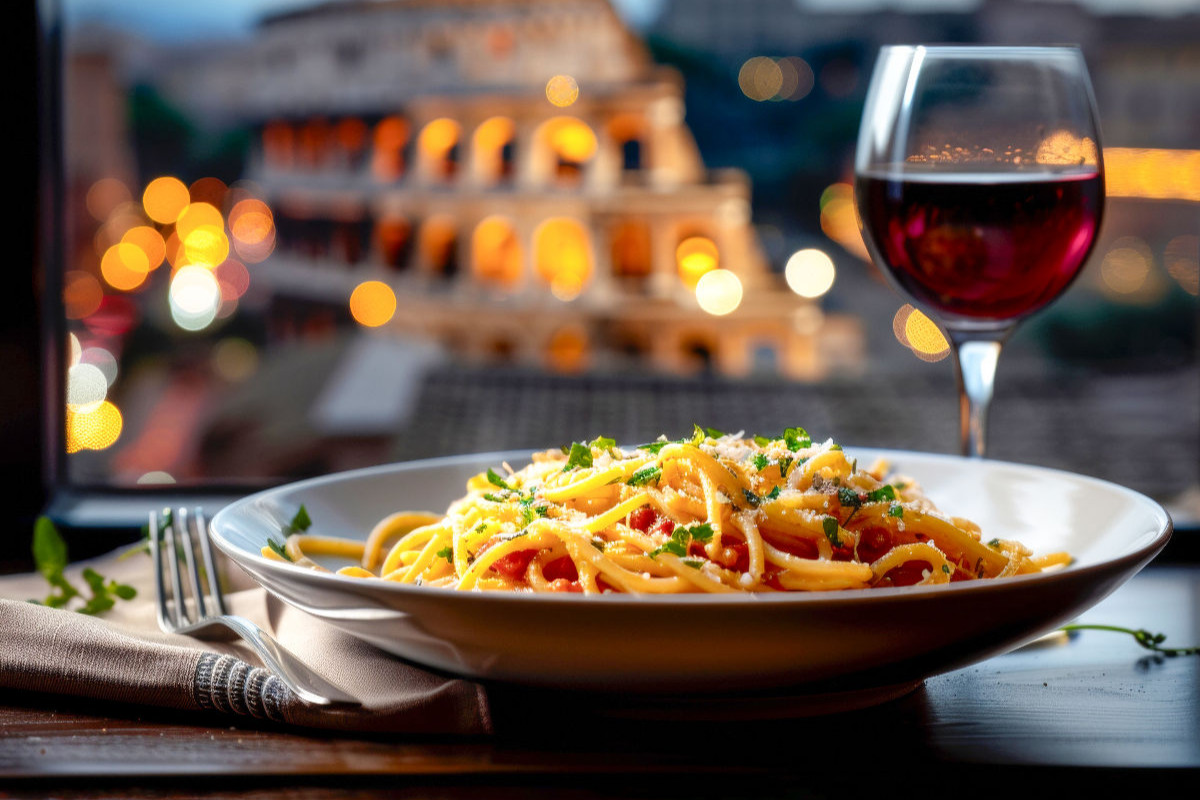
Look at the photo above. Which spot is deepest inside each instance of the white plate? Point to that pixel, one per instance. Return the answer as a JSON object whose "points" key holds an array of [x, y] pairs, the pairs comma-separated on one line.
{"points": [[873, 641]]}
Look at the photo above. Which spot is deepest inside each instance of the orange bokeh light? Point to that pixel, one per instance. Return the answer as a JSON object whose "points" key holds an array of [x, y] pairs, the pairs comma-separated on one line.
{"points": [[95, 429], [695, 256], [165, 198], [151, 243], [124, 266], [195, 215], [372, 303], [82, 294]]}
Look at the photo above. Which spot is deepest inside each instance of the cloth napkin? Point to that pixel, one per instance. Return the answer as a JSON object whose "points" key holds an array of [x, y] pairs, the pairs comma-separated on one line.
{"points": [[123, 657]]}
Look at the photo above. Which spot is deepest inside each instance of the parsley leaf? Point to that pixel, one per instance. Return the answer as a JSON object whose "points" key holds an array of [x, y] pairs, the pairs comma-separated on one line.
{"points": [[50, 558], [681, 537], [279, 549], [760, 461], [896, 511], [796, 439], [446, 552], [579, 456], [885, 492], [494, 479], [761, 441], [645, 475], [830, 526], [300, 521], [848, 497], [713, 433]]}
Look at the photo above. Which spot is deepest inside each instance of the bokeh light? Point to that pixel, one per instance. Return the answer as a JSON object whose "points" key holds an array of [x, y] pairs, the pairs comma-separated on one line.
{"points": [[124, 266], [562, 90], [920, 334], [1182, 261], [760, 78], [82, 294], [1126, 265], [233, 278], [570, 138], [206, 245], [234, 359], [105, 196], [156, 478], [496, 252], [165, 198], [102, 360], [839, 219], [810, 272], [719, 292], [151, 243], [563, 256], [197, 215], [372, 303], [695, 256], [86, 387], [194, 298], [94, 429]]}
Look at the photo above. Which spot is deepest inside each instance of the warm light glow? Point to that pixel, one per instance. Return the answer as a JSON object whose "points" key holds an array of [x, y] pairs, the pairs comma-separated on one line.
{"points": [[567, 349], [151, 243], [437, 139], [165, 198], [797, 80], [719, 292], [124, 266], [251, 221], [105, 196], [496, 252], [1126, 265], [694, 257], [387, 160], [438, 242], [488, 145], [920, 334], [1182, 260], [810, 273], [760, 78], [372, 303], [156, 478], [95, 429], [82, 294], [206, 245], [1065, 148], [563, 256], [194, 298], [1152, 173], [570, 138], [562, 90], [839, 219], [198, 215], [208, 190]]}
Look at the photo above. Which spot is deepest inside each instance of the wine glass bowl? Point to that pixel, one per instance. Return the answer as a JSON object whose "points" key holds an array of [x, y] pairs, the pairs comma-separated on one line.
{"points": [[980, 189]]}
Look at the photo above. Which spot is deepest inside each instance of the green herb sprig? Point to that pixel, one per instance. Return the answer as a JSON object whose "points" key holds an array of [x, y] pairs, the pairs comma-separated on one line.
{"points": [[50, 559], [1144, 638]]}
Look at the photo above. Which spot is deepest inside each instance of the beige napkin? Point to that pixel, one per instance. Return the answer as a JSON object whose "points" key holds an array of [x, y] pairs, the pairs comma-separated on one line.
{"points": [[122, 656]]}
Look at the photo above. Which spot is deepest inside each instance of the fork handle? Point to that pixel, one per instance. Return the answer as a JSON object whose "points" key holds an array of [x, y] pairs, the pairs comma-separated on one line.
{"points": [[297, 676]]}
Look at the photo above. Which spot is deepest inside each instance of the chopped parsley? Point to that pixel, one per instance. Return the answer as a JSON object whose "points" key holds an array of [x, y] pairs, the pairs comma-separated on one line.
{"points": [[830, 526], [446, 552], [645, 475], [760, 461], [579, 456], [681, 537], [885, 492], [713, 433], [848, 497], [50, 558], [300, 521], [279, 549], [495, 480], [796, 439], [896, 511], [946, 568], [756, 500], [994, 544]]}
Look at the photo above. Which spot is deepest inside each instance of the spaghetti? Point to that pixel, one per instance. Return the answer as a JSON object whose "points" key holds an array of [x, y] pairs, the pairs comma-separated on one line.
{"points": [[712, 513]]}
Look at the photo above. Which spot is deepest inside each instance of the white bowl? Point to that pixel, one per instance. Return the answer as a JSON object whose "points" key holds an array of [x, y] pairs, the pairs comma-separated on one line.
{"points": [[873, 641]]}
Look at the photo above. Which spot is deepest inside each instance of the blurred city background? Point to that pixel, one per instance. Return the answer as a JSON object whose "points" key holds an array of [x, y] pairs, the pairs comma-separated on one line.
{"points": [[310, 236]]}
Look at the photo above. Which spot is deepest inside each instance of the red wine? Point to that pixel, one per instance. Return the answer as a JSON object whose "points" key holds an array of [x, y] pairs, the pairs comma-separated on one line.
{"points": [[983, 246]]}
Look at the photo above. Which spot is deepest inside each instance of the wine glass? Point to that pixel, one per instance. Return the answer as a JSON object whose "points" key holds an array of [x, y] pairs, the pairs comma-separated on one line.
{"points": [[980, 187]]}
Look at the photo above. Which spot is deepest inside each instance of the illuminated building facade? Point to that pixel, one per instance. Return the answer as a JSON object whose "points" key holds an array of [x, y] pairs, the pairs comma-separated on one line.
{"points": [[521, 175]]}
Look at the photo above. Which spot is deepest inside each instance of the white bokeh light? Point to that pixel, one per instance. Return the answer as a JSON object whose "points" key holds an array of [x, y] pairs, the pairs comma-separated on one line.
{"points": [[195, 298], [810, 273]]}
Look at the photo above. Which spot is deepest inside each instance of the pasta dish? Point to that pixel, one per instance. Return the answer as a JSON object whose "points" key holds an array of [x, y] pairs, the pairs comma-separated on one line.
{"points": [[714, 512]]}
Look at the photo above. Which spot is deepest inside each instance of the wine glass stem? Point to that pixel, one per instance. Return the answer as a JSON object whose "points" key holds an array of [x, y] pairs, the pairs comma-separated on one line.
{"points": [[976, 377]]}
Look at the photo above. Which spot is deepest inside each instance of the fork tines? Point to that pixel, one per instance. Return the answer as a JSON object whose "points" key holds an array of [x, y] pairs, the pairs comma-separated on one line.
{"points": [[180, 534]]}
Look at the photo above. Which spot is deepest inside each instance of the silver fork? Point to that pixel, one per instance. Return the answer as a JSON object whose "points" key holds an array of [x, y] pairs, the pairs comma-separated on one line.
{"points": [[206, 615]]}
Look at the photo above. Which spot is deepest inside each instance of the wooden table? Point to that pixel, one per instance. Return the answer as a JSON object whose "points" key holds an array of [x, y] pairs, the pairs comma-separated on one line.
{"points": [[1092, 708]]}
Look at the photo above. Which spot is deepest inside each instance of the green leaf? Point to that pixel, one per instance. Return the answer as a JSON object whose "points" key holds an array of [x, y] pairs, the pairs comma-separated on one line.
{"points": [[645, 475], [279, 549], [602, 443], [896, 511], [796, 439], [122, 590], [681, 537], [784, 464], [49, 549], [494, 479], [94, 580], [848, 497], [885, 492], [830, 526], [579, 456], [300, 522], [773, 494], [714, 433], [698, 436], [760, 461], [761, 441], [1144, 638], [447, 553]]}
